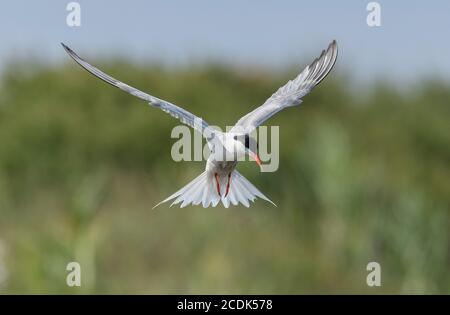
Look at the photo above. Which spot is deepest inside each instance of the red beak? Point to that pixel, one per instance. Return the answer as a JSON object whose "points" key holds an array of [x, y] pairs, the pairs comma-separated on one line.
{"points": [[256, 158]]}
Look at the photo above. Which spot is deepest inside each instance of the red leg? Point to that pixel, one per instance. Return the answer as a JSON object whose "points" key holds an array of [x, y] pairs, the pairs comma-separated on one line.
{"points": [[217, 184], [228, 185]]}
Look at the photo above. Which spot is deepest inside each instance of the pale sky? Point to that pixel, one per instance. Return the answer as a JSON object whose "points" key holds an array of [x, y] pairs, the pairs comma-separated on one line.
{"points": [[411, 43]]}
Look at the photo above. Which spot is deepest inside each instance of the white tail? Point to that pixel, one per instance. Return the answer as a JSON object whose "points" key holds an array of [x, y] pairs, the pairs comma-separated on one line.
{"points": [[202, 190]]}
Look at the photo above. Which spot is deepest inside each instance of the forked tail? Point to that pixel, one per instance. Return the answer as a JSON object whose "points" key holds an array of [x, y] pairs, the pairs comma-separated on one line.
{"points": [[206, 191]]}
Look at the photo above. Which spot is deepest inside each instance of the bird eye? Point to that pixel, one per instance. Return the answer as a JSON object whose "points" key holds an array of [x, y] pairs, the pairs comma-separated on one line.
{"points": [[235, 137]]}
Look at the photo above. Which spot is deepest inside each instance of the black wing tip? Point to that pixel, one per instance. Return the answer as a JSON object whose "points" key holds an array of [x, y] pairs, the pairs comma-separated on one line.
{"points": [[334, 46], [71, 53], [66, 48], [325, 68], [331, 47]]}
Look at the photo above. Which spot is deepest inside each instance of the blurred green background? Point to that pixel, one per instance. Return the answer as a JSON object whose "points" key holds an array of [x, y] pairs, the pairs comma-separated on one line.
{"points": [[364, 176]]}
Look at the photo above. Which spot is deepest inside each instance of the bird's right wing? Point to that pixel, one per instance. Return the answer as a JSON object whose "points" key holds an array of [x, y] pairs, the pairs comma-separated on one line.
{"points": [[292, 92], [183, 115]]}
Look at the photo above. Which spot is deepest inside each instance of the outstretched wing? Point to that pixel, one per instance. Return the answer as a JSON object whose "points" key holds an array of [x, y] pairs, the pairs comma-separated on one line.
{"points": [[291, 93], [183, 115]]}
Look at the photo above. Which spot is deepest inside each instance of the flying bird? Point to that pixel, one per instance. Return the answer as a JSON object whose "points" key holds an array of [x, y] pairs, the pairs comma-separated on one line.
{"points": [[221, 182]]}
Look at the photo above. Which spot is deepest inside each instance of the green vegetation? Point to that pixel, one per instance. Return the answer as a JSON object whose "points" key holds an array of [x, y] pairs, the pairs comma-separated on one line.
{"points": [[362, 178]]}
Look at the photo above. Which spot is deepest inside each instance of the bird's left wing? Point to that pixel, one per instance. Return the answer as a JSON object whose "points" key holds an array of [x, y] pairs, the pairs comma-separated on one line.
{"points": [[183, 115], [291, 93]]}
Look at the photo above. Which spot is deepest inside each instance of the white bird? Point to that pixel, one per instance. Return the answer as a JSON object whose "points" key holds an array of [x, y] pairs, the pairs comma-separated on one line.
{"points": [[221, 181]]}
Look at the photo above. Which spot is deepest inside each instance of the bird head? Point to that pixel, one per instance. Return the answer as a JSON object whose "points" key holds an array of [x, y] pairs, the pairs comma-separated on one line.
{"points": [[247, 145]]}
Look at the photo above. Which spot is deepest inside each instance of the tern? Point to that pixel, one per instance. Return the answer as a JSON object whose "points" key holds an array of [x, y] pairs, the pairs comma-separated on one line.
{"points": [[221, 181]]}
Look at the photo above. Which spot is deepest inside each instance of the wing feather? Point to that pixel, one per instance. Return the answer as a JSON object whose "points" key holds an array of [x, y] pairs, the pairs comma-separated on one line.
{"points": [[177, 112], [291, 93]]}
